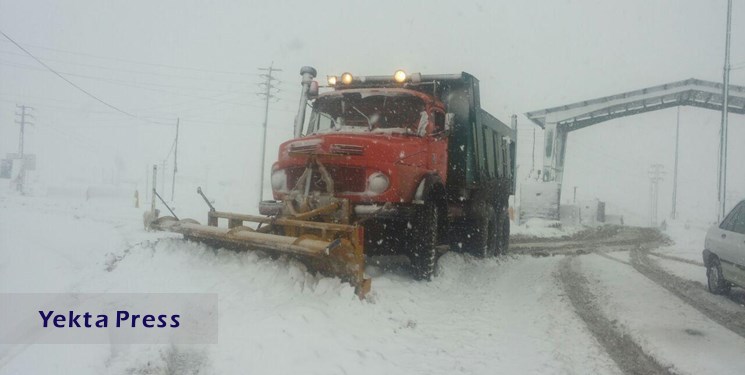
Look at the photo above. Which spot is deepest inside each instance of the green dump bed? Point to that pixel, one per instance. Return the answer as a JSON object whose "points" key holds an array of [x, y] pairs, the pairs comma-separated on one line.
{"points": [[482, 148]]}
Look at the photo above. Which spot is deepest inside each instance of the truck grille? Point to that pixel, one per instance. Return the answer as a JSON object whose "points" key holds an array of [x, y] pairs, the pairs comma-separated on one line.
{"points": [[304, 148], [346, 149], [346, 179]]}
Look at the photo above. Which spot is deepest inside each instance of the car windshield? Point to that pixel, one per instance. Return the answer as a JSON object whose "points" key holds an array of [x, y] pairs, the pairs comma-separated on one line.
{"points": [[379, 112]]}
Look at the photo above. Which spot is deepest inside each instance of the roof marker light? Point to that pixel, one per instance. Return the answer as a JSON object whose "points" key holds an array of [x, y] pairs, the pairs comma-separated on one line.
{"points": [[346, 78], [399, 76]]}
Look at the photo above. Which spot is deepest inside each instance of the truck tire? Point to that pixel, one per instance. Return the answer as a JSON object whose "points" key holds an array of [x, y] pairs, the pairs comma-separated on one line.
{"points": [[503, 242], [484, 235], [426, 238]]}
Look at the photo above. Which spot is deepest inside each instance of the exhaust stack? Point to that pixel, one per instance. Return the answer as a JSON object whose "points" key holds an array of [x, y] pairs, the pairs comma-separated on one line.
{"points": [[308, 73]]}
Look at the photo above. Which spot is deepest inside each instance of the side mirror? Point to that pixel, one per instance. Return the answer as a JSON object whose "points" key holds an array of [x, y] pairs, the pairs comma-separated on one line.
{"points": [[313, 90], [449, 121]]}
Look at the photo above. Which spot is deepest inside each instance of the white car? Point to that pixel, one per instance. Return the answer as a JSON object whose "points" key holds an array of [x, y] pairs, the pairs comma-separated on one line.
{"points": [[724, 254]]}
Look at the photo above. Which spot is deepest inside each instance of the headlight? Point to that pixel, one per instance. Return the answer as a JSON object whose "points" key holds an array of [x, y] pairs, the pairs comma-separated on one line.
{"points": [[331, 80], [377, 183], [279, 180]]}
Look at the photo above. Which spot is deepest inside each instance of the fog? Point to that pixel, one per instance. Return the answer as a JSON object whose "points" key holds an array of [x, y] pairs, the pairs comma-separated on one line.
{"points": [[198, 61]]}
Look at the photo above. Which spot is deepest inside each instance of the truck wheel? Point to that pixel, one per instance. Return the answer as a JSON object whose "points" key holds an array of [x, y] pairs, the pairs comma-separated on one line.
{"points": [[715, 279], [424, 256], [484, 235]]}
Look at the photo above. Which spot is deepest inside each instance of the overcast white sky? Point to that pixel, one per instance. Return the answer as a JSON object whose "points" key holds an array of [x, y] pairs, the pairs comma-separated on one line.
{"points": [[197, 60]]}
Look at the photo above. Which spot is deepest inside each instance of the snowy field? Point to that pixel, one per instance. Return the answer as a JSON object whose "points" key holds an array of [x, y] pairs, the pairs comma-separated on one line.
{"points": [[595, 313]]}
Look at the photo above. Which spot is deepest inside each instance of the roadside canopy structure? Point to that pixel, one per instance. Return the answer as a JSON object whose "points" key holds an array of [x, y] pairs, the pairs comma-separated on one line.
{"points": [[559, 121]]}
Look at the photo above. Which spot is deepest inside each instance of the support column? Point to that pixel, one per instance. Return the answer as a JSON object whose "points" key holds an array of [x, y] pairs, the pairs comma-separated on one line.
{"points": [[549, 146], [561, 148], [555, 139]]}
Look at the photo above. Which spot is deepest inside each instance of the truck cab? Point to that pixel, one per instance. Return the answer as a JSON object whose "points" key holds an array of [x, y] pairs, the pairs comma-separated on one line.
{"points": [[376, 144]]}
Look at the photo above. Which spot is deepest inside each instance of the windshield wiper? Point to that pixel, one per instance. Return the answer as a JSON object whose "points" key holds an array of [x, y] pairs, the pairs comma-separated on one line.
{"points": [[330, 118], [369, 124]]}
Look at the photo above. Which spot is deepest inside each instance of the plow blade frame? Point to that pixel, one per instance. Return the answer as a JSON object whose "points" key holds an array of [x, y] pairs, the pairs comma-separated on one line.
{"points": [[329, 248]]}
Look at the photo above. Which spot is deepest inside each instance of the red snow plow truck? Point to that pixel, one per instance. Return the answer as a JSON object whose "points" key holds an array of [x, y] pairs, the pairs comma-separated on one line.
{"points": [[406, 164]]}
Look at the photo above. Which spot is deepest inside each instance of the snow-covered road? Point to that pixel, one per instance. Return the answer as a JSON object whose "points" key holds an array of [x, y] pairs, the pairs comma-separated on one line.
{"points": [[571, 310]]}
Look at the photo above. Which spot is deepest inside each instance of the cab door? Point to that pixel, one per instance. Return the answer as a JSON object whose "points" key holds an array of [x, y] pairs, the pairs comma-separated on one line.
{"points": [[438, 146]]}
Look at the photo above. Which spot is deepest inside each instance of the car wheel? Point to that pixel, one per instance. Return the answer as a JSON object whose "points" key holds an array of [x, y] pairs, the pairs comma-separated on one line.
{"points": [[715, 280]]}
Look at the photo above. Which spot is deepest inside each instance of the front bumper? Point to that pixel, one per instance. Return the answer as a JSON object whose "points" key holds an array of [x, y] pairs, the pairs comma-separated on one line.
{"points": [[384, 211]]}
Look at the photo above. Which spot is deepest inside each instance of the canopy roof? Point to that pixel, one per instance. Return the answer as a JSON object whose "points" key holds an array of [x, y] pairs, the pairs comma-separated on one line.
{"points": [[692, 92]]}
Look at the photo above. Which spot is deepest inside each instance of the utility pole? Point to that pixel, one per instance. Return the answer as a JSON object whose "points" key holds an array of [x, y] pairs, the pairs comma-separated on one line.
{"points": [[174, 145], [152, 192], [656, 173], [163, 176], [674, 213], [267, 94], [175, 160], [147, 182], [722, 183], [574, 201], [23, 116], [532, 166]]}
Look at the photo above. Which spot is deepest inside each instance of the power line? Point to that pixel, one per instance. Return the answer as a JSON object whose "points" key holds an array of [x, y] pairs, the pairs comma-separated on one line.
{"points": [[113, 123], [120, 82], [109, 68], [94, 147], [65, 78], [191, 101], [71, 82], [168, 156], [213, 99], [139, 62]]}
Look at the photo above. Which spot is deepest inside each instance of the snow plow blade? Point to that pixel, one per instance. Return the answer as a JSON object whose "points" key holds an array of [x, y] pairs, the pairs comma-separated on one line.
{"points": [[329, 248]]}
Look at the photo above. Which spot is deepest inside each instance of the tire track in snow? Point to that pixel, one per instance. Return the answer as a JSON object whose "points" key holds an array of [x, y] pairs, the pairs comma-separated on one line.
{"points": [[677, 259], [627, 354], [724, 312], [606, 256], [619, 239]]}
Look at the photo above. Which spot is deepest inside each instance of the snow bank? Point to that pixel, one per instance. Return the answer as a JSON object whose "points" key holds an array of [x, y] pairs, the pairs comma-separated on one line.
{"points": [[276, 318], [543, 229], [688, 239]]}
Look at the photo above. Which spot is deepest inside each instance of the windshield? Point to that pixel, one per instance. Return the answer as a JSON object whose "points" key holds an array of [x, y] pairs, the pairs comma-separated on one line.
{"points": [[377, 112]]}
